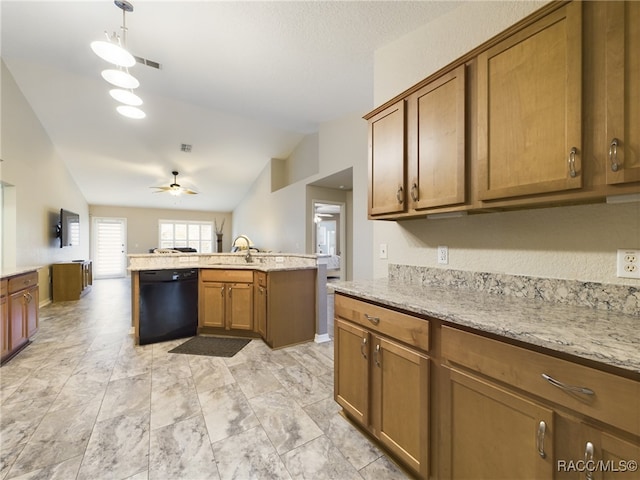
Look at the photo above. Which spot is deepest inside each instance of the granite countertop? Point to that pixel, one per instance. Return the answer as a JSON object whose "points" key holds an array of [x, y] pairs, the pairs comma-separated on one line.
{"points": [[610, 338], [12, 272], [265, 262]]}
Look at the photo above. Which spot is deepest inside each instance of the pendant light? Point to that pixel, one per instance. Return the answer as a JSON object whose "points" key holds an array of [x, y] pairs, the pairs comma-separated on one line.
{"points": [[113, 50]]}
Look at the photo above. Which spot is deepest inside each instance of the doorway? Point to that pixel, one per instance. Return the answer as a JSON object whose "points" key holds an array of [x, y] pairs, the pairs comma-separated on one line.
{"points": [[329, 238], [109, 247]]}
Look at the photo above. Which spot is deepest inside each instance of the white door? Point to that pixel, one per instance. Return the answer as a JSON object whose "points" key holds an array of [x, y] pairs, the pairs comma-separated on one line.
{"points": [[109, 247]]}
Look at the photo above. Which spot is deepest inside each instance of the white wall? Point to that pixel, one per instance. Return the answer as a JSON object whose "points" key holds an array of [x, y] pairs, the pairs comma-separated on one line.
{"points": [[281, 220], [577, 242], [41, 186]]}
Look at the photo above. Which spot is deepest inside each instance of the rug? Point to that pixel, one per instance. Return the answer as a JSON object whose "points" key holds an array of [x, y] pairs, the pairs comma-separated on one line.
{"points": [[212, 346]]}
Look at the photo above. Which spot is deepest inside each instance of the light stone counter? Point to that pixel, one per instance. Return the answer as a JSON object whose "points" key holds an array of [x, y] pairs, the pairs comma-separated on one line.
{"points": [[608, 337], [259, 261], [12, 272]]}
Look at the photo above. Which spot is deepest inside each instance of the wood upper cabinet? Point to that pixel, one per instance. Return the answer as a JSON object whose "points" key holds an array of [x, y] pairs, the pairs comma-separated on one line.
{"points": [[387, 161], [496, 433], [622, 152], [530, 109], [436, 142]]}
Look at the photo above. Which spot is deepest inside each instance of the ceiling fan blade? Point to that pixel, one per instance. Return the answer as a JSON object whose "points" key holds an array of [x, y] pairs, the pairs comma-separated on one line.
{"points": [[162, 189], [189, 191]]}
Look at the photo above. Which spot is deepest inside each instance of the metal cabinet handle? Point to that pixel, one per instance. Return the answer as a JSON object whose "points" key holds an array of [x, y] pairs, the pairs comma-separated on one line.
{"points": [[222, 291], [572, 162], [400, 194], [363, 346], [613, 154], [372, 319], [414, 192], [542, 429], [588, 459], [376, 355], [567, 388]]}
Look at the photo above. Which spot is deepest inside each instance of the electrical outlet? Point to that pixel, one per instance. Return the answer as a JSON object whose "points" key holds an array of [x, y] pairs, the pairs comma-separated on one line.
{"points": [[628, 263], [383, 251], [443, 254]]}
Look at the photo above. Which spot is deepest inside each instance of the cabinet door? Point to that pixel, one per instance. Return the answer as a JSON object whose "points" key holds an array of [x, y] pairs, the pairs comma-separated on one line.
{"points": [[496, 433], [400, 402], [618, 455], [31, 310], [387, 161], [436, 142], [623, 92], [17, 327], [240, 306], [212, 303], [351, 370], [260, 312], [4, 326], [529, 109]]}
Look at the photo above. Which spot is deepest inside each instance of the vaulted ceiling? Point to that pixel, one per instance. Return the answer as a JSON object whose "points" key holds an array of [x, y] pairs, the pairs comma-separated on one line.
{"points": [[242, 82]]}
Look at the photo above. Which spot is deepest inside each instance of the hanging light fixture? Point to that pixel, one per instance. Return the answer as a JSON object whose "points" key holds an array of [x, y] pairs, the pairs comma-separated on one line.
{"points": [[113, 50]]}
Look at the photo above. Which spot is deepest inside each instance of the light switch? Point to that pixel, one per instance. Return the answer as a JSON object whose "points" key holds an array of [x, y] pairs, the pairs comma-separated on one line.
{"points": [[383, 251]]}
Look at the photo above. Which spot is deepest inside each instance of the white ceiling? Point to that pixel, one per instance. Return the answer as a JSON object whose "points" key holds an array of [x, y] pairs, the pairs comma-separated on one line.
{"points": [[242, 82]]}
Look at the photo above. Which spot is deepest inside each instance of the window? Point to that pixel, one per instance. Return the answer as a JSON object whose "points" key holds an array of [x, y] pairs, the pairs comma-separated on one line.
{"points": [[182, 233]]}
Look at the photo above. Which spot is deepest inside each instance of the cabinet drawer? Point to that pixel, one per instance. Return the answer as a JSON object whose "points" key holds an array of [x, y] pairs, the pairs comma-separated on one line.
{"points": [[615, 400], [21, 282], [400, 326], [215, 275]]}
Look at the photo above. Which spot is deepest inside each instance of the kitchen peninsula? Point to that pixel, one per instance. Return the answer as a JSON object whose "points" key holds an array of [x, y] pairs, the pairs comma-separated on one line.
{"points": [[272, 296]]}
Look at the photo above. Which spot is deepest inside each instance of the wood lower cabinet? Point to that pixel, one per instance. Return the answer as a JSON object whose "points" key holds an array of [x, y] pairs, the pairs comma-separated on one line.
{"points": [[287, 303], [4, 318], [260, 296], [20, 312], [71, 280], [381, 383], [494, 432], [515, 413], [226, 299]]}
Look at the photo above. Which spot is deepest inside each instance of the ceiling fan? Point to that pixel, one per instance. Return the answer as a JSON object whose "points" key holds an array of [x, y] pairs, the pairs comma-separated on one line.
{"points": [[175, 188]]}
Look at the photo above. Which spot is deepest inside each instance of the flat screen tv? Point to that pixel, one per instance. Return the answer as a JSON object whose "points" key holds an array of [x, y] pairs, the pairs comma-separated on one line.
{"points": [[69, 229]]}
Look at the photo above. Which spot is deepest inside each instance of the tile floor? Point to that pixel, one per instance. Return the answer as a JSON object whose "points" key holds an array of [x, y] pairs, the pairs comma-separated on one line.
{"points": [[82, 401]]}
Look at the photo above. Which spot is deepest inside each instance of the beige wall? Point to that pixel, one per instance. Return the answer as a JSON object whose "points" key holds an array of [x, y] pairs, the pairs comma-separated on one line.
{"points": [[577, 242], [40, 185], [142, 223]]}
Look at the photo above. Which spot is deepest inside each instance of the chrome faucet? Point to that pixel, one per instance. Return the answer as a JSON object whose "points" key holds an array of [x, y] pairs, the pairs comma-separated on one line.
{"points": [[248, 258]]}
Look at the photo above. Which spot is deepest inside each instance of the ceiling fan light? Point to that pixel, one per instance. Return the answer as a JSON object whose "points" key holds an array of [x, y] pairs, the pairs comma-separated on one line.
{"points": [[120, 78], [113, 53], [131, 112], [175, 191], [125, 96]]}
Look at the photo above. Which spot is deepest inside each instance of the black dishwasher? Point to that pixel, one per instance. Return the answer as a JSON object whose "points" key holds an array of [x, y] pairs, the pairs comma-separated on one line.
{"points": [[168, 304]]}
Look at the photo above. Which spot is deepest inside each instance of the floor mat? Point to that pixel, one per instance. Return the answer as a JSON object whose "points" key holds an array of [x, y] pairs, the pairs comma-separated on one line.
{"points": [[212, 346]]}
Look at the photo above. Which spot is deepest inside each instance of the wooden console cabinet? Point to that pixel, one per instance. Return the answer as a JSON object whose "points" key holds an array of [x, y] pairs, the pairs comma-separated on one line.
{"points": [[71, 280]]}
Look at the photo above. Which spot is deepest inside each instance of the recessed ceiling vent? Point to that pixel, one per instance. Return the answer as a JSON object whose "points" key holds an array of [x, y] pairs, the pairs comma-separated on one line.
{"points": [[185, 148], [147, 62]]}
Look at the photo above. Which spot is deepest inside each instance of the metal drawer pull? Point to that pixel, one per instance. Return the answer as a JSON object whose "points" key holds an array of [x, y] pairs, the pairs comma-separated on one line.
{"points": [[400, 194], [588, 458], [414, 192], [372, 319], [376, 355], [362, 347], [572, 162], [613, 154], [542, 428], [568, 388]]}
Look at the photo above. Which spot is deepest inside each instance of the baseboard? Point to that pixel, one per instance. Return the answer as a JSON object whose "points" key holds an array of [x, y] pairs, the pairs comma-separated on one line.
{"points": [[322, 338]]}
